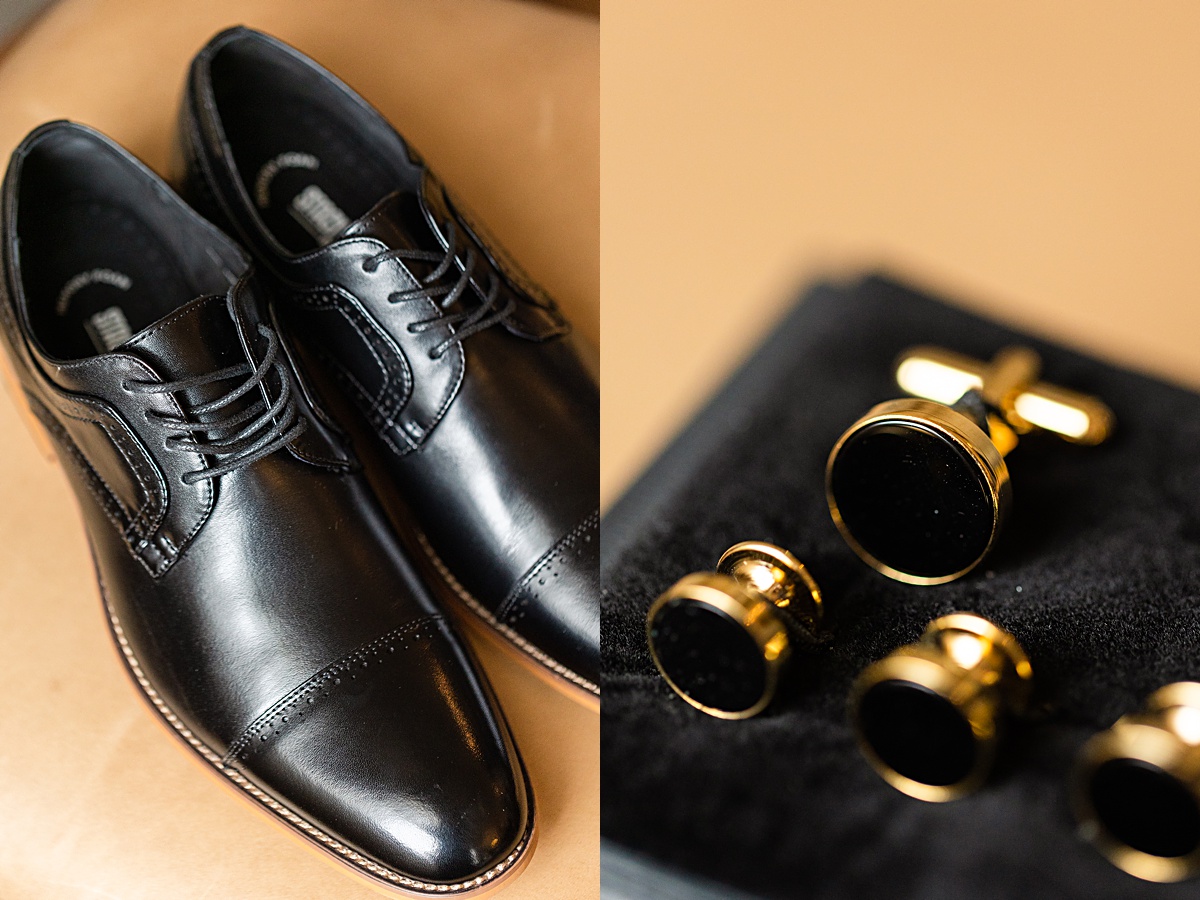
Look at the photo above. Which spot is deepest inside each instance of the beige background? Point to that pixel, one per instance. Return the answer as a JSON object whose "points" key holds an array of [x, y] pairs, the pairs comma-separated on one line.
{"points": [[95, 801], [1039, 160]]}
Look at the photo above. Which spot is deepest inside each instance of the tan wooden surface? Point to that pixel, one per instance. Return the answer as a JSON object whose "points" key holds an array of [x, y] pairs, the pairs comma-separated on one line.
{"points": [[95, 801], [1040, 160]]}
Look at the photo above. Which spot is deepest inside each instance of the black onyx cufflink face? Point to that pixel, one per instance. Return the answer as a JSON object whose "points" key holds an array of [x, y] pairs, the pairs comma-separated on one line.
{"points": [[1136, 789], [929, 716], [721, 639], [918, 487]]}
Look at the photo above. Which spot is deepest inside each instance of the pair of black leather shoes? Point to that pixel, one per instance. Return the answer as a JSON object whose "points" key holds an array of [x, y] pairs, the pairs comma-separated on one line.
{"points": [[289, 478]]}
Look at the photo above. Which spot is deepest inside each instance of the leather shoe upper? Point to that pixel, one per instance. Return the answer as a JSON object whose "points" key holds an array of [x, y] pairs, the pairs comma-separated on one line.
{"points": [[252, 582], [460, 374]]}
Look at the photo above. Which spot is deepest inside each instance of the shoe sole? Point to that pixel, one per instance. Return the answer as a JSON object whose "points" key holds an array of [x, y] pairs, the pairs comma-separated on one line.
{"points": [[311, 837]]}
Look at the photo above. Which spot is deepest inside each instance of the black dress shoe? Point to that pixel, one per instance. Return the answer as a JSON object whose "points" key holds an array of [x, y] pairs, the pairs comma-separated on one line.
{"points": [[251, 581], [475, 415]]}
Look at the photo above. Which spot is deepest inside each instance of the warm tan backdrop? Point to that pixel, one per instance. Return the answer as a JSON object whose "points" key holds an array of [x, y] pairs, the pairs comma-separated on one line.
{"points": [[1042, 160], [95, 801]]}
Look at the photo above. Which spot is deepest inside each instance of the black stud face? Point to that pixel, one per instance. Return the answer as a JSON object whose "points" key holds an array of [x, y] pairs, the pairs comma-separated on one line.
{"points": [[1145, 808], [917, 733], [708, 656], [913, 499]]}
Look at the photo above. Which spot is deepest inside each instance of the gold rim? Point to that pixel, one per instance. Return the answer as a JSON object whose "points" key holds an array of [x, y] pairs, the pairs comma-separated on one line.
{"points": [[756, 616], [962, 432], [981, 690], [920, 667], [1146, 737]]}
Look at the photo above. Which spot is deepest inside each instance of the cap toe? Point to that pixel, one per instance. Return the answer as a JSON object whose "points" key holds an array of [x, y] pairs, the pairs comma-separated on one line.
{"points": [[398, 752], [556, 605]]}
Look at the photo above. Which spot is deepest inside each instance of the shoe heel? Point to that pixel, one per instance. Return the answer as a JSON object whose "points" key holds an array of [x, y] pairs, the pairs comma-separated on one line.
{"points": [[37, 431]]}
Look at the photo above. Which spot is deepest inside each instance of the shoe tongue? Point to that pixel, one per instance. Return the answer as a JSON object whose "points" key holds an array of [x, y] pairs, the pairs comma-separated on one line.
{"points": [[198, 338], [404, 220]]}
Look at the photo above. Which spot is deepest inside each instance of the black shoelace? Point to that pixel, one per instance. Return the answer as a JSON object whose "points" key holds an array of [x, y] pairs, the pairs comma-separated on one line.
{"points": [[267, 426], [465, 324]]}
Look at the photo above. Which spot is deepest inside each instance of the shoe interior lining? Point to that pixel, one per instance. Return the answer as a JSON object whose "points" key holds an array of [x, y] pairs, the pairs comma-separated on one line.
{"points": [[311, 156], [104, 249]]}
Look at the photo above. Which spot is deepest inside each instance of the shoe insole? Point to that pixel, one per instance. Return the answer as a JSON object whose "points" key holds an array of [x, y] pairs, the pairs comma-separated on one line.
{"points": [[103, 276], [305, 175]]}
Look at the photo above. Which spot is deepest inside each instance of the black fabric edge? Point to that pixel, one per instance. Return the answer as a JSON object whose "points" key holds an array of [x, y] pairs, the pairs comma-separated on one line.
{"points": [[627, 875], [672, 469]]}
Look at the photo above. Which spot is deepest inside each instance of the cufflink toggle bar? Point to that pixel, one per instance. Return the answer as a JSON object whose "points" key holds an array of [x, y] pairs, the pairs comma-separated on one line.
{"points": [[918, 487], [1009, 385]]}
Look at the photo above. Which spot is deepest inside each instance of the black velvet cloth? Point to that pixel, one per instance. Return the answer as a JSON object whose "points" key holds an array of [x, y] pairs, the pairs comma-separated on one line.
{"points": [[1095, 573]]}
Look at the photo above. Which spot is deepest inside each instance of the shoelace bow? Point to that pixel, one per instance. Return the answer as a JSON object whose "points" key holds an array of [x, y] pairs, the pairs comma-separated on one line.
{"points": [[464, 324], [268, 427]]}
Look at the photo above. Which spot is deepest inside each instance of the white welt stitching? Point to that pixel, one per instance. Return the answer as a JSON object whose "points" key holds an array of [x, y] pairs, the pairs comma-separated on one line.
{"points": [[478, 608]]}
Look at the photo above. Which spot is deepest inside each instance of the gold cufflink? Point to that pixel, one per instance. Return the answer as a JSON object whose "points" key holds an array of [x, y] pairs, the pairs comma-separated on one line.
{"points": [[721, 639], [930, 715], [1136, 788], [918, 487]]}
